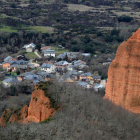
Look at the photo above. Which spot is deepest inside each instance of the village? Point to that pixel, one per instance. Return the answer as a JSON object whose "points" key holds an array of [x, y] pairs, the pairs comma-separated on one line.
{"points": [[65, 67]]}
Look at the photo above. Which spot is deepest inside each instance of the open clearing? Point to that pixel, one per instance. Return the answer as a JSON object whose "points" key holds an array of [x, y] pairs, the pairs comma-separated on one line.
{"points": [[42, 29], [132, 14], [31, 55], [79, 7], [7, 29]]}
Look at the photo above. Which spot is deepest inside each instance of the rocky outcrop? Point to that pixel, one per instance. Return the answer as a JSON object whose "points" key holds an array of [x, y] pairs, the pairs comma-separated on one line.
{"points": [[39, 109], [123, 83]]}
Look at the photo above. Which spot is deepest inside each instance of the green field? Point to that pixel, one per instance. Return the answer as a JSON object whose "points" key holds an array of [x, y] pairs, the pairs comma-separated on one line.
{"points": [[7, 29], [59, 50], [31, 55], [42, 29]]}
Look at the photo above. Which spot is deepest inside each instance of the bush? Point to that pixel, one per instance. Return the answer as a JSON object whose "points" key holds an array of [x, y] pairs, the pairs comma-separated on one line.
{"points": [[125, 19], [108, 38]]}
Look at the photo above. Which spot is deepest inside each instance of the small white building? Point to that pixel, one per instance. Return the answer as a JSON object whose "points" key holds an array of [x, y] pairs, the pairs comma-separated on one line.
{"points": [[49, 53], [10, 81], [30, 47], [97, 86], [49, 68], [84, 85]]}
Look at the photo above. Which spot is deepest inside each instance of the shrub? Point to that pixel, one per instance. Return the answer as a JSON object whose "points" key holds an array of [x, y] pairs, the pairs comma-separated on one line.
{"points": [[125, 19]]}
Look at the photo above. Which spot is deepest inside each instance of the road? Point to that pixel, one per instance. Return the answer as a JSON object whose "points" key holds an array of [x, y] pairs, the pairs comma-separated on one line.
{"points": [[37, 53]]}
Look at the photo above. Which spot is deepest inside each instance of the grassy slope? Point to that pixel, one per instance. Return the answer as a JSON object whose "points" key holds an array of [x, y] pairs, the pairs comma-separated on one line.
{"points": [[31, 55], [7, 29]]}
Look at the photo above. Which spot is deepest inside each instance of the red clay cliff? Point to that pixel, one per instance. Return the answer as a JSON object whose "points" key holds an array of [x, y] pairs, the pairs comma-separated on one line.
{"points": [[123, 83], [39, 109]]}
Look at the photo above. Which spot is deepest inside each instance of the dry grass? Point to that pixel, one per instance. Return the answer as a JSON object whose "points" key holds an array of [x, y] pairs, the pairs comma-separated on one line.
{"points": [[131, 13], [79, 7]]}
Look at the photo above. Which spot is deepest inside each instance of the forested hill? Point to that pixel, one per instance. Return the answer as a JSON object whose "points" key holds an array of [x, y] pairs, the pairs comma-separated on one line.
{"points": [[88, 26]]}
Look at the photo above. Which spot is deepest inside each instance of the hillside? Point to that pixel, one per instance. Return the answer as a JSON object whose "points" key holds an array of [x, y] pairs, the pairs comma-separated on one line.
{"points": [[84, 115], [79, 26]]}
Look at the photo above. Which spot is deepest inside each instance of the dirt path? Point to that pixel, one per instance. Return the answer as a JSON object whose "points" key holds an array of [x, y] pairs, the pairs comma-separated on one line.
{"points": [[37, 53]]}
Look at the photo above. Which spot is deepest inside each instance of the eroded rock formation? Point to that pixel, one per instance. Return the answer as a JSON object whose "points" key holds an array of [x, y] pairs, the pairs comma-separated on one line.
{"points": [[123, 83], [39, 109]]}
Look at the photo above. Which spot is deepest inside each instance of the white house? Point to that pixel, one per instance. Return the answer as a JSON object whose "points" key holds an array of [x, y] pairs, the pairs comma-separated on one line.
{"points": [[61, 64], [49, 68], [84, 85], [30, 47], [10, 81], [49, 53], [97, 86]]}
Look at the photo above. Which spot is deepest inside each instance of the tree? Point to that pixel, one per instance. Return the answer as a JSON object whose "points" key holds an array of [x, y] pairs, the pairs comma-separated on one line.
{"points": [[38, 46], [18, 72], [10, 71], [66, 58], [13, 91], [13, 5]]}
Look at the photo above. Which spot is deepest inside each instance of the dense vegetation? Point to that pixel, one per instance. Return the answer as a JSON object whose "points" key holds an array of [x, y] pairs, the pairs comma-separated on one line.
{"points": [[54, 24], [84, 115]]}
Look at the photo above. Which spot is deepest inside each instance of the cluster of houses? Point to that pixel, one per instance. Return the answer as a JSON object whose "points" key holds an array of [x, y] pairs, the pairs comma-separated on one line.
{"points": [[13, 65], [50, 71], [61, 71]]}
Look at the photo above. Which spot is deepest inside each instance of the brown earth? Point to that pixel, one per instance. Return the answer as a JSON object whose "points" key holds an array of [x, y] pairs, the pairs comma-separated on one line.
{"points": [[123, 83], [39, 109]]}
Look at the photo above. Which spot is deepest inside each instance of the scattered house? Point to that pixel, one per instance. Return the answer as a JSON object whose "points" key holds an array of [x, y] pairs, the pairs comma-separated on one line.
{"points": [[45, 48], [51, 62], [106, 63], [21, 62], [109, 60], [103, 82], [79, 64], [34, 65], [31, 65], [52, 77], [30, 47], [70, 56], [60, 46], [1, 66], [86, 54], [97, 86], [10, 81], [31, 77], [84, 85], [71, 67], [69, 80], [42, 73], [61, 64], [49, 53], [13, 67], [94, 78], [47, 78], [61, 56], [84, 76], [8, 63], [83, 66], [74, 77], [21, 76], [35, 82], [20, 57], [8, 58], [49, 68]]}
